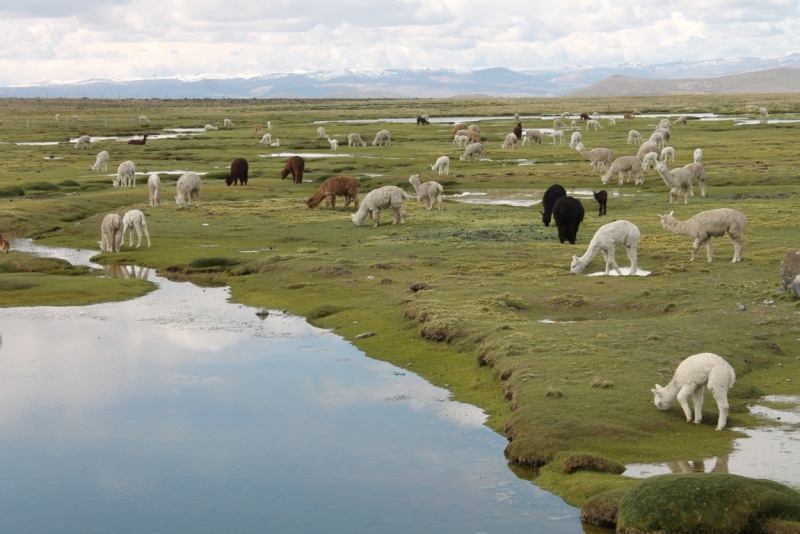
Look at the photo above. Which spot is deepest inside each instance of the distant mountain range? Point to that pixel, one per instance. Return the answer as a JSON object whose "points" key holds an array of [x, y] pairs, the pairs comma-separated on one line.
{"points": [[395, 83]]}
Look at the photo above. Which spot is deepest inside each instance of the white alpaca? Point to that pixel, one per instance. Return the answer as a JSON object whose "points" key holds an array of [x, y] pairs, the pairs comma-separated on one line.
{"points": [[594, 123], [516, 117], [154, 187], [668, 154], [227, 122], [677, 180], [442, 164], [534, 136], [564, 115], [607, 238], [84, 141], [269, 125], [648, 146], [657, 138], [382, 138], [355, 140], [473, 152], [209, 127], [599, 157], [574, 125], [691, 377], [629, 164], [465, 133], [558, 125], [557, 134], [388, 196], [576, 139], [134, 219], [126, 175], [276, 143], [462, 141], [698, 155], [634, 136], [698, 172], [334, 143], [612, 121], [110, 233], [188, 187], [763, 115], [474, 128], [75, 118], [510, 142], [595, 115], [143, 119], [101, 161], [266, 139], [649, 159], [58, 117], [708, 224], [429, 193], [664, 123], [321, 134], [681, 120]]}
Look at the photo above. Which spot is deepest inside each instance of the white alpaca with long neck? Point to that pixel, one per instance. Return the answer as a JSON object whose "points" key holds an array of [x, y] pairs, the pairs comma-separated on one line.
{"points": [[607, 238], [707, 224], [693, 375]]}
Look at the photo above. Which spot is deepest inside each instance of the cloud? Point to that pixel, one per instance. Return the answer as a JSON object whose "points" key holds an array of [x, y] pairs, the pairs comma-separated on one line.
{"points": [[139, 38]]}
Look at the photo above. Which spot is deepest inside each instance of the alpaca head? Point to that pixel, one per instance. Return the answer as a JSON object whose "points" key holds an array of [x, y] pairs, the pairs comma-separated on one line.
{"points": [[574, 268], [659, 400], [666, 218], [313, 202], [414, 179], [353, 218], [545, 218], [579, 147]]}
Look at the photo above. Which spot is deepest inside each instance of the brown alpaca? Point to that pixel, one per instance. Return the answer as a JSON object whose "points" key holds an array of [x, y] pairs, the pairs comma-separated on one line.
{"points": [[138, 141], [342, 186], [628, 117], [257, 130], [584, 116], [239, 169], [5, 245], [518, 131], [294, 166], [457, 127]]}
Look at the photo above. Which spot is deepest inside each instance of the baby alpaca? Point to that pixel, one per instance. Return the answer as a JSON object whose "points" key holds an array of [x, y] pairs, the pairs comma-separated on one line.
{"points": [[382, 198], [428, 193], [209, 127], [154, 187], [708, 224], [443, 164], [134, 219], [605, 240], [602, 198], [691, 377], [110, 233], [334, 143]]}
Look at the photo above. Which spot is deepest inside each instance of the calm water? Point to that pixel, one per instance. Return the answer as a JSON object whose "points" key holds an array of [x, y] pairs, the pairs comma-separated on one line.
{"points": [[180, 412]]}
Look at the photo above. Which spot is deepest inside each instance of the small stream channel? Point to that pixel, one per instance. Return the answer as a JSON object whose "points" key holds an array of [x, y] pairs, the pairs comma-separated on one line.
{"points": [[181, 412]]}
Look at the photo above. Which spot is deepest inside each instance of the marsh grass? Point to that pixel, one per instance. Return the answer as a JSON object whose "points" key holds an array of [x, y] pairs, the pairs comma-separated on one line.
{"points": [[469, 284]]}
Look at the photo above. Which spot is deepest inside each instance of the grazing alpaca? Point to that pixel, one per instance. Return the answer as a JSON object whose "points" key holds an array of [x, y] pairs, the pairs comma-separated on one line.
{"points": [[429, 193], [83, 141], [668, 154], [143, 119], [461, 140], [188, 187], [209, 127], [443, 164], [58, 117], [764, 115], [473, 152], [382, 138], [557, 134], [227, 122], [126, 175], [239, 169], [110, 233], [602, 198], [75, 118], [621, 165], [257, 130], [681, 120], [4, 244], [635, 136], [457, 127], [382, 198], [533, 135], [474, 137], [354, 140], [707, 224], [568, 213], [584, 117], [294, 165], [628, 116], [422, 120], [321, 134], [553, 193], [343, 186], [266, 139], [575, 140], [607, 238], [141, 141], [134, 219], [691, 377], [154, 187], [101, 162], [510, 142], [595, 123], [599, 157]]}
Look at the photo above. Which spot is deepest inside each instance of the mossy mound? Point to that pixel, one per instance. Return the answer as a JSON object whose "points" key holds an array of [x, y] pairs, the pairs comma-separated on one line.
{"points": [[42, 186], [13, 191], [33, 264], [602, 509], [68, 183], [591, 462], [712, 503], [206, 263]]}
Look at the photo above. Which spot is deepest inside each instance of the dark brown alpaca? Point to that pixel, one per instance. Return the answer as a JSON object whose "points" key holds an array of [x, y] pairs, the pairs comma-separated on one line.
{"points": [[584, 117], [422, 120], [518, 131], [138, 141], [342, 186], [239, 169], [5, 245], [294, 166], [601, 198]]}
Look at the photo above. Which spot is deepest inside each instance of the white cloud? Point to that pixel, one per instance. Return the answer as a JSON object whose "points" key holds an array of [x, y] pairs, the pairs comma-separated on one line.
{"points": [[139, 38]]}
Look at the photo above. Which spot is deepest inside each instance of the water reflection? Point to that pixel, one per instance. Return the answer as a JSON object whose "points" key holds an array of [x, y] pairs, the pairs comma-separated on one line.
{"points": [[128, 272]]}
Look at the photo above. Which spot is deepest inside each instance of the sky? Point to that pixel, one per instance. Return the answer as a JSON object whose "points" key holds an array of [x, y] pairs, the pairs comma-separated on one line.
{"points": [[46, 40]]}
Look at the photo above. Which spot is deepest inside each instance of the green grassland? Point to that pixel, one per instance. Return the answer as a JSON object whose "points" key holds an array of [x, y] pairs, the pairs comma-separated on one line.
{"points": [[488, 274]]}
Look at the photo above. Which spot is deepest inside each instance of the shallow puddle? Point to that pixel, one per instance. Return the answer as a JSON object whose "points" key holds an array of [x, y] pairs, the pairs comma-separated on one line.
{"points": [[496, 198], [181, 412]]}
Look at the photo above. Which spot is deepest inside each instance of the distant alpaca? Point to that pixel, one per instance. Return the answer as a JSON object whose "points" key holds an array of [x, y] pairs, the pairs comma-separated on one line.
{"points": [[110, 233], [518, 130], [4, 244], [422, 120], [510, 142], [668, 154], [585, 117], [154, 188], [58, 117], [238, 173], [634, 136], [602, 198], [457, 127], [681, 120], [575, 140], [462, 141], [628, 116], [269, 125], [621, 165], [557, 134], [227, 122], [188, 187], [141, 141], [382, 138], [708, 224], [126, 175], [343, 186], [75, 118], [429, 193], [473, 152], [594, 123], [143, 119], [321, 134], [83, 141], [698, 155], [443, 164], [599, 157], [266, 139], [257, 130], [533, 135], [553, 193], [388, 196], [691, 377], [334, 143], [764, 115], [294, 166], [209, 127], [101, 162], [134, 219], [607, 238], [354, 140]]}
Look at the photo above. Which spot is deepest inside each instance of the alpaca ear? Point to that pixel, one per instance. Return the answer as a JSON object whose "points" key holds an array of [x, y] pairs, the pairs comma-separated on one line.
{"points": [[659, 388], [670, 213], [574, 258], [654, 391]]}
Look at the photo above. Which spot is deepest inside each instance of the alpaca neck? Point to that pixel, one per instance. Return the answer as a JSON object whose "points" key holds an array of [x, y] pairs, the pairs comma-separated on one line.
{"points": [[591, 252], [679, 227], [667, 177], [670, 392], [416, 185], [361, 215]]}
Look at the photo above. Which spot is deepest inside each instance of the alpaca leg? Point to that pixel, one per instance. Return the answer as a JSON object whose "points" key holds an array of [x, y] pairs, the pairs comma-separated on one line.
{"points": [[702, 188], [709, 249], [333, 202], [439, 200], [683, 400], [146, 233], [621, 177], [721, 396], [612, 262], [376, 216], [738, 247], [632, 255], [396, 214], [346, 201], [697, 400], [138, 227], [118, 240], [696, 247]]}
